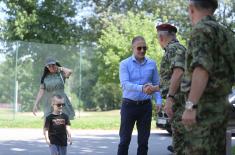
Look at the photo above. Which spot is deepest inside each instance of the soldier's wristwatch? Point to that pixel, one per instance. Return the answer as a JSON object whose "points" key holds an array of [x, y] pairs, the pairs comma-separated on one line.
{"points": [[190, 105]]}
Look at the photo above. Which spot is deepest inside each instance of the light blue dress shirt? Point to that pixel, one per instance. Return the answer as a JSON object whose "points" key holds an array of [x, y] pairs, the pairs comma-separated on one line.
{"points": [[134, 75]]}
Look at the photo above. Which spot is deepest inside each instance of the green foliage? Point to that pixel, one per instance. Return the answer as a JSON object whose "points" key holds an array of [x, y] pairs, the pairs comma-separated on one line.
{"points": [[50, 21], [2, 25], [226, 13], [114, 28], [173, 11], [29, 68], [7, 73], [115, 42], [106, 33], [107, 96], [233, 150], [85, 76], [22, 14]]}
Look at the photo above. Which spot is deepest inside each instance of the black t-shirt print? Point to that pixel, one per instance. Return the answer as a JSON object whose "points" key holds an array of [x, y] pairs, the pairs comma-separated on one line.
{"points": [[56, 125]]}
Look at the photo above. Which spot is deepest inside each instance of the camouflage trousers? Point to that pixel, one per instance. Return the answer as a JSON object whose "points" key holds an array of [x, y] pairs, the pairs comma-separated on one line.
{"points": [[208, 135], [178, 130]]}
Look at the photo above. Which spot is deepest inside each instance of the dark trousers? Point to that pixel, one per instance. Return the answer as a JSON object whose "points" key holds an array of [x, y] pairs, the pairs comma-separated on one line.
{"points": [[142, 115]]}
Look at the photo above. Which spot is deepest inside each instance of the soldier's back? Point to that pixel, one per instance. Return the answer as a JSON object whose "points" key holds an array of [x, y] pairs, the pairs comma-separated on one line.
{"points": [[210, 46]]}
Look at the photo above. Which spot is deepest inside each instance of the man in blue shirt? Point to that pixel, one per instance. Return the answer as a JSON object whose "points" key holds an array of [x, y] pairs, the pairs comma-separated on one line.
{"points": [[139, 81]]}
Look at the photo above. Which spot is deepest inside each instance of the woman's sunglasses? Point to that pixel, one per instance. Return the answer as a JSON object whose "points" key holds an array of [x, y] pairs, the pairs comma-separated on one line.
{"points": [[141, 47]]}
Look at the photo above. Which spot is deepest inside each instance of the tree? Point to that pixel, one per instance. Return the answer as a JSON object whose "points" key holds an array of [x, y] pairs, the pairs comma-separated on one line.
{"points": [[107, 96], [172, 11], [115, 42], [87, 73], [109, 28], [226, 14], [2, 25], [114, 27], [114, 46], [7, 77], [50, 21]]}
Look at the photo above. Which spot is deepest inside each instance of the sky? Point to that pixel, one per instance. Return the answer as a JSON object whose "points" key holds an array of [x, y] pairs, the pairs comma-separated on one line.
{"points": [[2, 14]]}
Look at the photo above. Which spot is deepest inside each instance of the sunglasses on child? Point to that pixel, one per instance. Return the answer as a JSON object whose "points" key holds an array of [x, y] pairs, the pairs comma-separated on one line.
{"points": [[141, 47], [60, 105]]}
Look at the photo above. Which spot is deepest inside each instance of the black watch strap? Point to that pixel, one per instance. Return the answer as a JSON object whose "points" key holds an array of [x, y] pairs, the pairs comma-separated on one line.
{"points": [[195, 106], [170, 96]]}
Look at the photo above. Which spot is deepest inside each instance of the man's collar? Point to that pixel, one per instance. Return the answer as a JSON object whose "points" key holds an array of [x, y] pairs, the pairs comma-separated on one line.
{"points": [[206, 18], [135, 60], [171, 42]]}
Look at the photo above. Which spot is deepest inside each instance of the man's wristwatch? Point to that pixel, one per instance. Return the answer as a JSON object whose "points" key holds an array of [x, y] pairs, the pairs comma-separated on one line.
{"points": [[170, 96], [190, 105]]}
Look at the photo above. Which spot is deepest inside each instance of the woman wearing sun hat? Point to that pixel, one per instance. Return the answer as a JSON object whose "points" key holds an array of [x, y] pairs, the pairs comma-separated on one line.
{"points": [[52, 82]]}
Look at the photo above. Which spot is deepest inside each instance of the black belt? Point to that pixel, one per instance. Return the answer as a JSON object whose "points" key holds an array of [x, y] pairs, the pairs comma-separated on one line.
{"points": [[132, 102]]}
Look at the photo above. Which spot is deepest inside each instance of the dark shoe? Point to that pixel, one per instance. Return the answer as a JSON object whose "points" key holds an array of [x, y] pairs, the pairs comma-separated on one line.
{"points": [[170, 148]]}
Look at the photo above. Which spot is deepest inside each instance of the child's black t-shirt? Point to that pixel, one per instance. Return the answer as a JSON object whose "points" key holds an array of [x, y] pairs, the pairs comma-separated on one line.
{"points": [[56, 125]]}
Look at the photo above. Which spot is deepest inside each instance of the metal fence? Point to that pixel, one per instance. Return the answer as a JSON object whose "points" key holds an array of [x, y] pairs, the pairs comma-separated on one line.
{"points": [[21, 67]]}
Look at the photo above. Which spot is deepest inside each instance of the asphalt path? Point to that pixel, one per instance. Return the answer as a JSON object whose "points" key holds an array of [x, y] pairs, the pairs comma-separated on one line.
{"points": [[85, 142]]}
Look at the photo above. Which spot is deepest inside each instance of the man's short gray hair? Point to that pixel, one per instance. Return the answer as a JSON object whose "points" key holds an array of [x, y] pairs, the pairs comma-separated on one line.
{"points": [[137, 38]]}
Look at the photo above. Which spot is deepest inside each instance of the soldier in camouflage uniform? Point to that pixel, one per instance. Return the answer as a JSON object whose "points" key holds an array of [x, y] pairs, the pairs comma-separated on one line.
{"points": [[208, 80], [171, 72]]}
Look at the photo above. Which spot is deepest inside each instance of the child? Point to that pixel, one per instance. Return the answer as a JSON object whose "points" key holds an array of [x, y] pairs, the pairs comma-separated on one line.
{"points": [[57, 128]]}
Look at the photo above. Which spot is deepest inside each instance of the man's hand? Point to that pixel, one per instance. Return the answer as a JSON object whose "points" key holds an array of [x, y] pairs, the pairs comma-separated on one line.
{"points": [[189, 117], [147, 88], [168, 107], [158, 108], [150, 89]]}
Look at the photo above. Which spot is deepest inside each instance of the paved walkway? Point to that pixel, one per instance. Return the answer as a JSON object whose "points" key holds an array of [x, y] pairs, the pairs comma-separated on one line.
{"points": [[85, 142]]}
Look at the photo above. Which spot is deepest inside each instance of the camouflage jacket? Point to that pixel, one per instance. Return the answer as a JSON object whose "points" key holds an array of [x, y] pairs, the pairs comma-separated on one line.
{"points": [[210, 47], [174, 56]]}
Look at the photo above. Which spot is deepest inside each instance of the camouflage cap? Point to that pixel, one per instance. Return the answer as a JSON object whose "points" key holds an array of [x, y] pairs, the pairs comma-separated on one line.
{"points": [[166, 27]]}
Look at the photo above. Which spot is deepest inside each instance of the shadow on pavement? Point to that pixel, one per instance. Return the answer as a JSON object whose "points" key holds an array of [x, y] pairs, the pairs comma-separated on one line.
{"points": [[85, 144]]}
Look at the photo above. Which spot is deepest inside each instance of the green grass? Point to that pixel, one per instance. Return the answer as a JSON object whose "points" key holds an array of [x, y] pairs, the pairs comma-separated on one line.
{"points": [[6, 114], [97, 120], [233, 150], [85, 120]]}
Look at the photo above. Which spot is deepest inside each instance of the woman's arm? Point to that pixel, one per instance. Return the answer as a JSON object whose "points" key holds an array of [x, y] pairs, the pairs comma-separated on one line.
{"points": [[38, 98], [67, 72]]}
